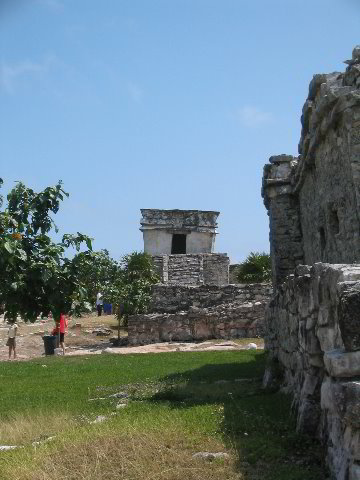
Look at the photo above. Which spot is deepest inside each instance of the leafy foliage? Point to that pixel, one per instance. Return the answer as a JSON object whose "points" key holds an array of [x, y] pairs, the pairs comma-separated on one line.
{"points": [[35, 275], [99, 273], [125, 284], [255, 269], [134, 284]]}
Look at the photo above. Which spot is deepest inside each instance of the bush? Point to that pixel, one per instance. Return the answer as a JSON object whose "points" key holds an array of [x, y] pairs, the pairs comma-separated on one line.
{"points": [[255, 269], [134, 287]]}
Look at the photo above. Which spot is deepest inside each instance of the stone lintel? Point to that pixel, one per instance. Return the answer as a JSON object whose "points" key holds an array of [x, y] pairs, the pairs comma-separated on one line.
{"points": [[178, 229], [191, 218]]}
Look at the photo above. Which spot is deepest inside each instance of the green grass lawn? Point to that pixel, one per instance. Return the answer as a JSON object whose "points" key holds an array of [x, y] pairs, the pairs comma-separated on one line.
{"points": [[178, 404]]}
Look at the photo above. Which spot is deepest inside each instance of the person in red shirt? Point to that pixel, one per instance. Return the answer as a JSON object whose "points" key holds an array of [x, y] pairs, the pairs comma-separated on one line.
{"points": [[61, 327]]}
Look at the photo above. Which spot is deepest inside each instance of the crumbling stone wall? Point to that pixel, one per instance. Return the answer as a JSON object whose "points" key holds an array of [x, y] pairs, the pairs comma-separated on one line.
{"points": [[184, 313], [313, 200], [171, 299], [193, 269], [286, 248], [313, 321], [313, 337]]}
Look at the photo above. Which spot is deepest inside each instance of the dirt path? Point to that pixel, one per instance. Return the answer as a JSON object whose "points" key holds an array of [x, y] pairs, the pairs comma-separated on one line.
{"points": [[91, 336]]}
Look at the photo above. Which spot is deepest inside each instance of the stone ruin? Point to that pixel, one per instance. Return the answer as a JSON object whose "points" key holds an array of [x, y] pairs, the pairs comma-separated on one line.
{"points": [[312, 325], [181, 243], [194, 300], [174, 232]]}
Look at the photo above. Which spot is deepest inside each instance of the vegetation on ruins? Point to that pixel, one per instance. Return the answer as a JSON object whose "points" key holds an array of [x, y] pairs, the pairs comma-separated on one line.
{"points": [[256, 268], [36, 277]]}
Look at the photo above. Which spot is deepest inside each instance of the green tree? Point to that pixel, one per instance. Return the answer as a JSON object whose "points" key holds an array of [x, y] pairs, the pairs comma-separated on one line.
{"points": [[255, 269], [98, 272], [133, 288], [35, 275]]}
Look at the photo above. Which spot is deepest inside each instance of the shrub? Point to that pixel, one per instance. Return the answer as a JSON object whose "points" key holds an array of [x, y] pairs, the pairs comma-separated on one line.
{"points": [[255, 269]]}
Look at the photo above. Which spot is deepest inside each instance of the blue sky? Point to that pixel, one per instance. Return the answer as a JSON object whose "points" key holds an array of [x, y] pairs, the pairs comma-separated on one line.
{"points": [[160, 104]]}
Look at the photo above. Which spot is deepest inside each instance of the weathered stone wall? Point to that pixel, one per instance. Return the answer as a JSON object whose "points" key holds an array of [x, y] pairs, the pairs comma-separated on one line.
{"points": [[181, 313], [171, 299], [313, 200], [313, 337], [216, 269], [286, 249], [329, 174], [313, 321], [233, 272], [193, 269]]}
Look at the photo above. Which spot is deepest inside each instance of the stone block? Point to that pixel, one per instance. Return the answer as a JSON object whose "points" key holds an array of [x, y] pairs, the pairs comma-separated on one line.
{"points": [[339, 363], [350, 400], [328, 338], [308, 417], [342, 398], [293, 323], [327, 395], [323, 316], [312, 343], [311, 321], [349, 319], [354, 472], [316, 360], [301, 270], [202, 330], [310, 384], [354, 446]]}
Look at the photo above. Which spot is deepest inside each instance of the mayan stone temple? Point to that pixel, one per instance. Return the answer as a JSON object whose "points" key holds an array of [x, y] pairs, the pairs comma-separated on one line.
{"points": [[178, 231], [182, 244], [193, 299], [312, 327]]}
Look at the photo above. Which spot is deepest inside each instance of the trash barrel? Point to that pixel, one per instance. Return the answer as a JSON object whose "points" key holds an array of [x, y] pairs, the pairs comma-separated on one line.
{"points": [[107, 308], [49, 344]]}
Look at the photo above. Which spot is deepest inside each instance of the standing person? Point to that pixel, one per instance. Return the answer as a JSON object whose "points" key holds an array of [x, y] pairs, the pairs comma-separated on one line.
{"points": [[99, 304], [61, 327], [11, 341], [63, 330]]}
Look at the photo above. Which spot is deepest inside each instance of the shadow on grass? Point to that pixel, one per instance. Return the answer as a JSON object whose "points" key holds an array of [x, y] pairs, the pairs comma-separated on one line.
{"points": [[259, 426]]}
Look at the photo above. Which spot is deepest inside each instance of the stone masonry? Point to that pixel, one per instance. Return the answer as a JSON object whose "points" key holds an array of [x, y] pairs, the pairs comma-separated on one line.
{"points": [[313, 200], [187, 313], [312, 335], [190, 269], [181, 243], [313, 321], [176, 231]]}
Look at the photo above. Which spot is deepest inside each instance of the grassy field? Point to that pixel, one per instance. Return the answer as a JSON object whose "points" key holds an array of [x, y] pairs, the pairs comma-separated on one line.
{"points": [[176, 404]]}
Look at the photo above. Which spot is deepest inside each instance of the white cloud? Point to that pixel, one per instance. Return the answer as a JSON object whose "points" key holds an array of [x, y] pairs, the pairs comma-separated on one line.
{"points": [[9, 74], [135, 92], [253, 117], [55, 5], [12, 74]]}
